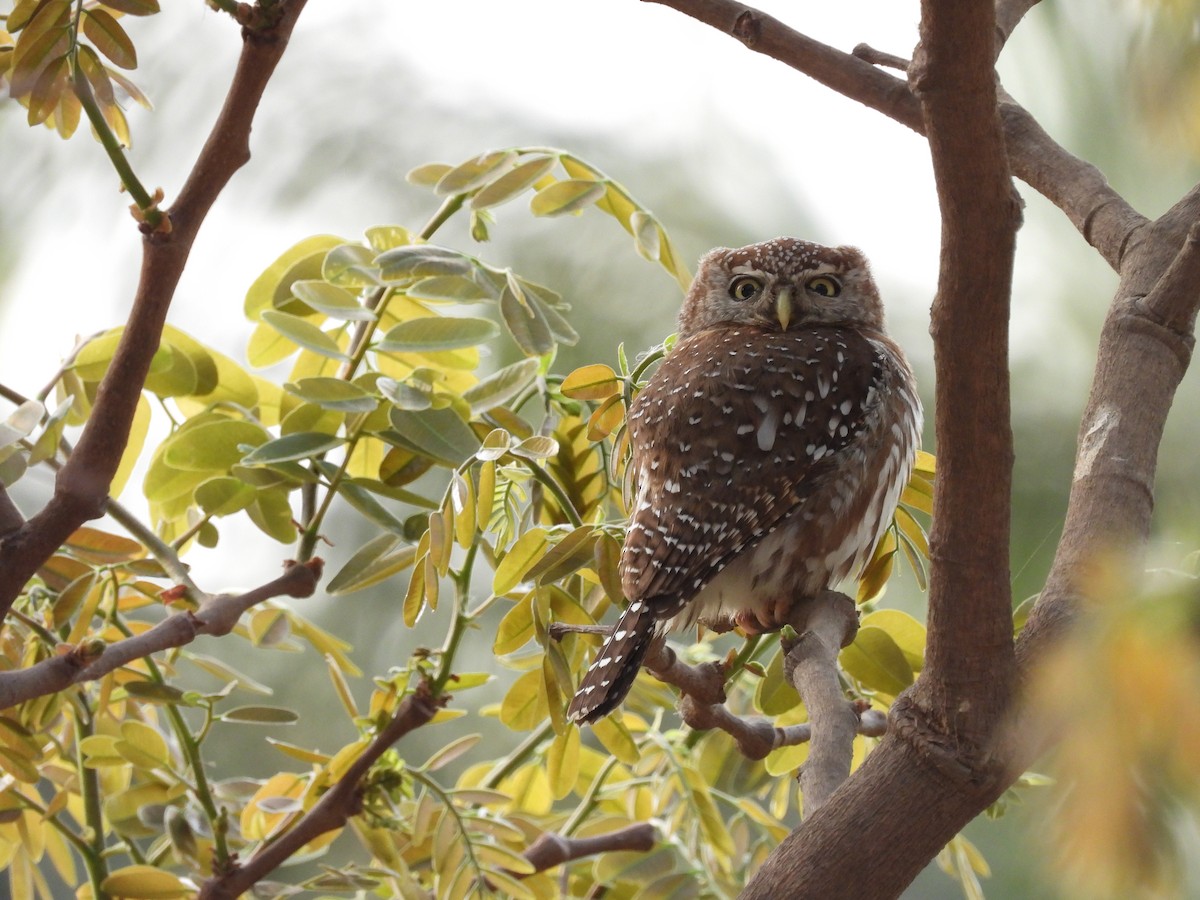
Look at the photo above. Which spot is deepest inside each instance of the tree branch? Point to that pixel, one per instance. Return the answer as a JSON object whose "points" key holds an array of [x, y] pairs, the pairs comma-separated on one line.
{"points": [[93, 659], [1102, 216], [10, 517], [334, 808], [969, 596], [550, 850], [1145, 348], [81, 487], [812, 666]]}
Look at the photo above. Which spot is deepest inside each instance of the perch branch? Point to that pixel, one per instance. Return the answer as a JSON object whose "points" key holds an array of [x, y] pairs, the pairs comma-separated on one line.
{"points": [[1102, 216], [93, 659], [81, 487], [811, 664], [550, 850], [335, 807]]}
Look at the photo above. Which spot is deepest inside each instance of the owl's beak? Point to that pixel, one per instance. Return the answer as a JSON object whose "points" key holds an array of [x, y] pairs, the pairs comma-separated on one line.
{"points": [[783, 307]]}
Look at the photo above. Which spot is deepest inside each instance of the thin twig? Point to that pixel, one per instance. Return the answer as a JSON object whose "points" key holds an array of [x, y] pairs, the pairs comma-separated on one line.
{"points": [[550, 850], [93, 659], [334, 808]]}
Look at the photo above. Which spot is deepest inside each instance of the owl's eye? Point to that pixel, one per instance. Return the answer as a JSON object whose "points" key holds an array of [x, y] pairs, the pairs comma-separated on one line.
{"points": [[825, 285], [745, 287]]}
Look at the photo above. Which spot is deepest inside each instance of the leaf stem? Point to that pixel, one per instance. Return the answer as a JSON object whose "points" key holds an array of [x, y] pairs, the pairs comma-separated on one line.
{"points": [[449, 207], [458, 624], [147, 205], [191, 751], [89, 791], [520, 753]]}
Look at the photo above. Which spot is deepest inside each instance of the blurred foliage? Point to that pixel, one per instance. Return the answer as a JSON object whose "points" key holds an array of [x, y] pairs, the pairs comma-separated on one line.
{"points": [[1119, 698], [1165, 58]]}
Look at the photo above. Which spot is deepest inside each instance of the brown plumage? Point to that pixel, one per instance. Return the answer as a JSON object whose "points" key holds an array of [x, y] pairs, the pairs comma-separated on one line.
{"points": [[769, 451]]}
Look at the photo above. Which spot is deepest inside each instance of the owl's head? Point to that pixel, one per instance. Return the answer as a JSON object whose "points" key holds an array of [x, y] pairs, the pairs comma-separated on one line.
{"points": [[782, 284]]}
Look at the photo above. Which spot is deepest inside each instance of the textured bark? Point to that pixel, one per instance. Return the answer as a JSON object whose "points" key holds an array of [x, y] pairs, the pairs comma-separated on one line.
{"points": [[956, 739]]}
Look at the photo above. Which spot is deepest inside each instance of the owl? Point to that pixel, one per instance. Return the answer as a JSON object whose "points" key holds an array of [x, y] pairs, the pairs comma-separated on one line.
{"points": [[769, 450]]}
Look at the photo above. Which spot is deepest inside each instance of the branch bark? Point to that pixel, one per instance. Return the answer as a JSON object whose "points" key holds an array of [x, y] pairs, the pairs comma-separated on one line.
{"points": [[812, 666], [551, 850], [334, 808], [81, 487], [216, 616]]}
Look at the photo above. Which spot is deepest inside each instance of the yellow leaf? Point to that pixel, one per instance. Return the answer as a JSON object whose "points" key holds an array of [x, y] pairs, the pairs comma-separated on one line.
{"points": [[616, 739], [144, 883], [520, 558], [562, 762], [594, 382], [524, 706]]}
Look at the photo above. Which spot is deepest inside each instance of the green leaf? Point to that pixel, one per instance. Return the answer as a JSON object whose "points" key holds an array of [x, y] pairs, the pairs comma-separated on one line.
{"points": [[152, 692], [134, 7], [501, 386], [594, 382], [224, 495], [405, 395], [302, 445], [524, 706], [378, 559], [474, 172], [333, 301], [351, 266], [449, 289], [142, 882], [438, 333], [420, 261], [906, 631], [427, 175], [876, 662], [566, 196], [645, 234], [334, 393], [212, 446], [260, 715], [363, 501], [513, 182], [304, 333], [774, 694], [521, 557], [516, 628], [273, 288], [109, 37], [526, 323], [438, 433], [21, 422], [536, 447]]}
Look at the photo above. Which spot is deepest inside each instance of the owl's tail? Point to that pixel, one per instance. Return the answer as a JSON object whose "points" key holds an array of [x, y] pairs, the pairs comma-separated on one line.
{"points": [[616, 666]]}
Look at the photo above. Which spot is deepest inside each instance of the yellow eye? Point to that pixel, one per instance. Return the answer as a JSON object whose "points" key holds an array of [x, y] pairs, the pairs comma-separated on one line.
{"points": [[825, 285], [745, 287]]}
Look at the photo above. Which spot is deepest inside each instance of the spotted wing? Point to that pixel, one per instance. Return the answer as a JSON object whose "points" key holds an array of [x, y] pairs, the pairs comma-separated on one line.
{"points": [[734, 431]]}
